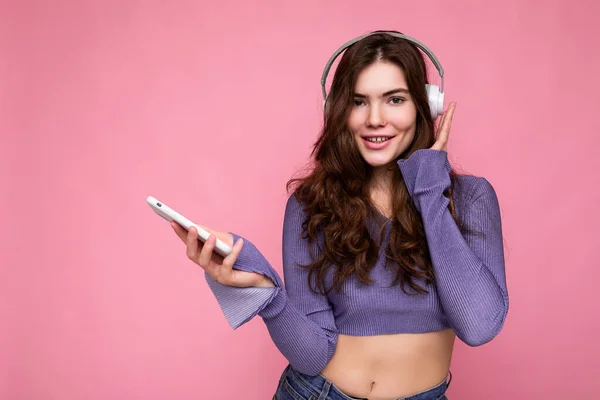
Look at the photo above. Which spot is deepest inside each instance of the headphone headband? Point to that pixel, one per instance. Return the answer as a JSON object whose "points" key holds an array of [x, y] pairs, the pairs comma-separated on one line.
{"points": [[420, 45]]}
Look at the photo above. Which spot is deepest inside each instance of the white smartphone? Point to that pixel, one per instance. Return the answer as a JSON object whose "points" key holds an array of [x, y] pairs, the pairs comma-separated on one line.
{"points": [[171, 215]]}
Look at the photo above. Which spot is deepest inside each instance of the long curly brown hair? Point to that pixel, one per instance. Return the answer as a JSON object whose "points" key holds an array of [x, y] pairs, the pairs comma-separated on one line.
{"points": [[335, 193]]}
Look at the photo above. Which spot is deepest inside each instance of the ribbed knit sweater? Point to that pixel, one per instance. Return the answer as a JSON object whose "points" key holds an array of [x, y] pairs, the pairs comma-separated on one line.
{"points": [[469, 294]]}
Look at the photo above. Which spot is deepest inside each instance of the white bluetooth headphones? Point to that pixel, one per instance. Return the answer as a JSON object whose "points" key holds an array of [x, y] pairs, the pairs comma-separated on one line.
{"points": [[434, 93]]}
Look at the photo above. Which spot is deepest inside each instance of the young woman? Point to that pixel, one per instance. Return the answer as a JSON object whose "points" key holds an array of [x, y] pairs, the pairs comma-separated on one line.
{"points": [[388, 253]]}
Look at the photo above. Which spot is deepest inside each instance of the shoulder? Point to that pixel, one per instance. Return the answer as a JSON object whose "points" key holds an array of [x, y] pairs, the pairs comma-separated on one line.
{"points": [[293, 204], [469, 189], [295, 213]]}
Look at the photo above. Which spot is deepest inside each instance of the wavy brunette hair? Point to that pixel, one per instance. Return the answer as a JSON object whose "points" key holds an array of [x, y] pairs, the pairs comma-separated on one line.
{"points": [[335, 194]]}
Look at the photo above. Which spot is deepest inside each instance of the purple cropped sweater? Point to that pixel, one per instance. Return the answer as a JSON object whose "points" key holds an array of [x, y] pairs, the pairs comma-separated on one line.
{"points": [[469, 294]]}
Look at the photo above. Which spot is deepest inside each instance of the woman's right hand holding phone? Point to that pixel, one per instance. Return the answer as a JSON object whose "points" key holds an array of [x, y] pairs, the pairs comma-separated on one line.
{"points": [[220, 269]]}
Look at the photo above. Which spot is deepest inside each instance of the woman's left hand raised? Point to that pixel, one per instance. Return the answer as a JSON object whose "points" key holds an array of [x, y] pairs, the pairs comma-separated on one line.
{"points": [[443, 131]]}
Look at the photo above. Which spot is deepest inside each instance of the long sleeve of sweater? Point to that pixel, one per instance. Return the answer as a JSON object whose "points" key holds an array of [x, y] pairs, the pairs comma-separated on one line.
{"points": [[469, 269], [300, 322]]}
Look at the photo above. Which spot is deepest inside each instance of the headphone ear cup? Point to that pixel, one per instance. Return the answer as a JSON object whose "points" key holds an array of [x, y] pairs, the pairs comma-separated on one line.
{"points": [[436, 100]]}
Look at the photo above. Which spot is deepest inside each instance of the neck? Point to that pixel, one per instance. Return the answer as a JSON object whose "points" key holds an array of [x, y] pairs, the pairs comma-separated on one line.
{"points": [[380, 190], [381, 181]]}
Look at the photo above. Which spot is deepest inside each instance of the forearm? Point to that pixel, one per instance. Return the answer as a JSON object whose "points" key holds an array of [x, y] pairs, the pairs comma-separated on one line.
{"points": [[474, 300], [306, 338], [468, 268]]}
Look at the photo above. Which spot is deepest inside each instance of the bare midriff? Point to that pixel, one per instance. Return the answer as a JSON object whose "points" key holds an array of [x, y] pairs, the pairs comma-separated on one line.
{"points": [[386, 367]]}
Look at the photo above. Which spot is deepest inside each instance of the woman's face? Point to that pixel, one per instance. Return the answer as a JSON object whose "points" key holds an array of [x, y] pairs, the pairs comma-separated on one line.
{"points": [[383, 115]]}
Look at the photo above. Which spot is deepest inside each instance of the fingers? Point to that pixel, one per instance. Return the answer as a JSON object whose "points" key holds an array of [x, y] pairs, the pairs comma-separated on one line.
{"points": [[441, 121], [207, 229], [232, 257], [227, 267], [202, 253], [447, 119], [206, 253], [444, 128], [181, 233], [192, 245], [447, 123]]}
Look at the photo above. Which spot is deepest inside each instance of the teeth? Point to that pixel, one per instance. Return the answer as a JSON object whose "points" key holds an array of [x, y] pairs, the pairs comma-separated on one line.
{"points": [[378, 139]]}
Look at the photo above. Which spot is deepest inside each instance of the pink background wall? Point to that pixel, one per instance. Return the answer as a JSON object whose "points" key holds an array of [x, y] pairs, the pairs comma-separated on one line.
{"points": [[211, 107]]}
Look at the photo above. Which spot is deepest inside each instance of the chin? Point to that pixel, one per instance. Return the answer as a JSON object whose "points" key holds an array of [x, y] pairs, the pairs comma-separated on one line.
{"points": [[379, 160]]}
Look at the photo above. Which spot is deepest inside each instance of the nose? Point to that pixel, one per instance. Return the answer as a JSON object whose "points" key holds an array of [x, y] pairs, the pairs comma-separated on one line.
{"points": [[375, 117]]}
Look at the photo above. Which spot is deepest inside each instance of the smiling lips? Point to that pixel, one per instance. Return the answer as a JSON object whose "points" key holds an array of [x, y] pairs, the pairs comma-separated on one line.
{"points": [[377, 142]]}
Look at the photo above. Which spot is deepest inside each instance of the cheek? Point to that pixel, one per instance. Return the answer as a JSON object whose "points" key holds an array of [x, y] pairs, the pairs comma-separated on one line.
{"points": [[354, 121], [404, 121]]}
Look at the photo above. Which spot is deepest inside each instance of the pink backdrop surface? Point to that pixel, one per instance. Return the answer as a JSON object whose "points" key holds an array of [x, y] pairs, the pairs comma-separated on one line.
{"points": [[211, 107]]}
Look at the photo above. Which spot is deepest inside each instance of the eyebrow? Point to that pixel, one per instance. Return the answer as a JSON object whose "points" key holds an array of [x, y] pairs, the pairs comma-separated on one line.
{"points": [[398, 90]]}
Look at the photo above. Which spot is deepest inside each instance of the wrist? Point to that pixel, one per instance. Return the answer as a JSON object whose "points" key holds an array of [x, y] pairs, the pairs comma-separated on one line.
{"points": [[265, 282]]}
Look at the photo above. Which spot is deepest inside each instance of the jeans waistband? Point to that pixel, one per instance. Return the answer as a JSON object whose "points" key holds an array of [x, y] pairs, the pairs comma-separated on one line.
{"points": [[329, 391]]}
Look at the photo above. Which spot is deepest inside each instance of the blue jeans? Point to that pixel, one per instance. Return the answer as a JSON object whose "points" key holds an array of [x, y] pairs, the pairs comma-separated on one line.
{"points": [[294, 385]]}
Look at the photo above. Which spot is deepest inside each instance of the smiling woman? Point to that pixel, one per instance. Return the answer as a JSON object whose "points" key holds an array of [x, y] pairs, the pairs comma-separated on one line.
{"points": [[381, 273], [383, 121]]}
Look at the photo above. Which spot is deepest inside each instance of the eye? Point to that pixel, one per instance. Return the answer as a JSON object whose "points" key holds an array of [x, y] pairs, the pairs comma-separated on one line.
{"points": [[396, 100], [358, 102]]}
